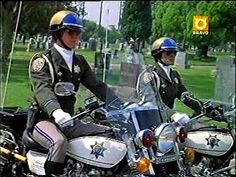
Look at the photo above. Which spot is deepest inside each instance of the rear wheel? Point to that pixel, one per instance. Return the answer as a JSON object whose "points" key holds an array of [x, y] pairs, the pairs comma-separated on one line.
{"points": [[5, 170], [10, 168]]}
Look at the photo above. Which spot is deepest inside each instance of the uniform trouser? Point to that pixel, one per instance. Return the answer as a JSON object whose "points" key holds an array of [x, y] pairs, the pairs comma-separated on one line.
{"points": [[51, 136]]}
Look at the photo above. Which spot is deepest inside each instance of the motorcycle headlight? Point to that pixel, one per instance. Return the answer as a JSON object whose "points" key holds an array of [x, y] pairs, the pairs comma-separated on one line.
{"points": [[165, 137]]}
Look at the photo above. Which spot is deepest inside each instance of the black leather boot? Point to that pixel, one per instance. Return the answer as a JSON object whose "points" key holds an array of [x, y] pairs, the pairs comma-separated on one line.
{"points": [[53, 168]]}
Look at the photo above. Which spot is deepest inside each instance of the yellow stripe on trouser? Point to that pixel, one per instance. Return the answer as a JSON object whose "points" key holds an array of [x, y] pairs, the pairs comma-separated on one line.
{"points": [[17, 156]]}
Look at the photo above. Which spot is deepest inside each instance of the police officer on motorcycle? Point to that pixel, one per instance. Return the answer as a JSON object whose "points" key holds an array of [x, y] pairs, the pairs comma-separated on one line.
{"points": [[167, 80], [54, 125]]}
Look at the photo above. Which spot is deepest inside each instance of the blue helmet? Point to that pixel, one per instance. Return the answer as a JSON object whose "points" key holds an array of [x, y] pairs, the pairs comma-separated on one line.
{"points": [[163, 44], [65, 19]]}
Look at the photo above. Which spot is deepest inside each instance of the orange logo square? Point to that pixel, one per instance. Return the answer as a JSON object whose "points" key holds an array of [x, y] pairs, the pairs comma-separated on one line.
{"points": [[200, 23]]}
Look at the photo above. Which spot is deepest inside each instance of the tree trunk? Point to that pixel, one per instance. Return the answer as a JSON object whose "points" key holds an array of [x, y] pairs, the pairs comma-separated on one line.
{"points": [[7, 21], [184, 40]]}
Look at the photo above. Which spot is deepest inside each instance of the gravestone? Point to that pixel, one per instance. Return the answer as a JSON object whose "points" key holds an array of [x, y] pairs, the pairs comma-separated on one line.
{"points": [[92, 44], [45, 38], [225, 79], [130, 73], [84, 45], [23, 39], [117, 41], [18, 37], [48, 43], [37, 42], [121, 47], [182, 60], [79, 45], [115, 54], [99, 61], [30, 43], [100, 47]]}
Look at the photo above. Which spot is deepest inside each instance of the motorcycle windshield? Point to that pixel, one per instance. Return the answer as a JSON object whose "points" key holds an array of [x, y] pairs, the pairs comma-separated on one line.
{"points": [[132, 102]]}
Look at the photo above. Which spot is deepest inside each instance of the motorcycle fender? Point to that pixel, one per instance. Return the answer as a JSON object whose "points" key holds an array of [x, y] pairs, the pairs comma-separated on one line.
{"points": [[36, 161], [209, 142], [97, 151]]}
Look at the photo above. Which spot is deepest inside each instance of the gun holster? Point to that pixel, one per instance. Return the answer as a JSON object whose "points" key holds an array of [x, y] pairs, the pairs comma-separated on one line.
{"points": [[31, 117]]}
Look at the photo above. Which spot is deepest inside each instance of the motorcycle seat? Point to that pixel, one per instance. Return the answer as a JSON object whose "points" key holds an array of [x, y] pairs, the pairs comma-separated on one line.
{"points": [[31, 143]]}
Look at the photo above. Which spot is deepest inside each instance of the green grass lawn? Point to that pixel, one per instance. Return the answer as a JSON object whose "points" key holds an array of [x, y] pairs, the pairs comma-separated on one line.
{"points": [[198, 79]]}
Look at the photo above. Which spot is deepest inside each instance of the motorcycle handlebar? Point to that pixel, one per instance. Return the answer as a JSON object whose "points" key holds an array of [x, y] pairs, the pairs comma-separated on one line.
{"points": [[187, 97], [87, 111], [207, 108]]}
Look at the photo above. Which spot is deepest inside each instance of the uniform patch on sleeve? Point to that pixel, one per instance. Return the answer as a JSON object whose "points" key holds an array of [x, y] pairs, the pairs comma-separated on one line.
{"points": [[38, 64], [147, 77]]}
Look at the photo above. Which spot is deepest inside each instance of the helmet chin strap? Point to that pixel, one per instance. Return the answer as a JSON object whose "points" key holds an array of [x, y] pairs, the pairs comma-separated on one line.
{"points": [[64, 45], [62, 42], [162, 62]]}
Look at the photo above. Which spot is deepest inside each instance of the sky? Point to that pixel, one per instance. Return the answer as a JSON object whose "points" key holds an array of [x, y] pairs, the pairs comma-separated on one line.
{"points": [[111, 18]]}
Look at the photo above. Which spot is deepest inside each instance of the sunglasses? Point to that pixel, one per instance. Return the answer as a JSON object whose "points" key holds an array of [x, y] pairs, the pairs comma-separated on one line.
{"points": [[170, 52], [72, 32]]}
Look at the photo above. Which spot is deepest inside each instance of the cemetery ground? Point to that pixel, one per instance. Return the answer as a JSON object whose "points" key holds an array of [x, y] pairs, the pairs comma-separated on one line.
{"points": [[198, 78]]}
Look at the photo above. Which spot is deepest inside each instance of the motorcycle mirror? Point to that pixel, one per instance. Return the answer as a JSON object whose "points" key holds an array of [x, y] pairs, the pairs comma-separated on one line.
{"points": [[64, 89]]}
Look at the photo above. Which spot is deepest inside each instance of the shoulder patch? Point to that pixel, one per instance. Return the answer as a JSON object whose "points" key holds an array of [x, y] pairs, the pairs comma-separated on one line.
{"points": [[147, 77], [38, 64]]}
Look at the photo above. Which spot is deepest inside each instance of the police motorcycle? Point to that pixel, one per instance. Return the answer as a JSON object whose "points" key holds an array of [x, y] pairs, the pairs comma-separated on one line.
{"points": [[144, 125], [139, 143], [91, 155], [210, 149]]}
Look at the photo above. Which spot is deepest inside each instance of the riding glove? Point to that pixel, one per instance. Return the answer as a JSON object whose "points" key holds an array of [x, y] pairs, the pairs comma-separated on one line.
{"points": [[180, 118], [62, 118]]}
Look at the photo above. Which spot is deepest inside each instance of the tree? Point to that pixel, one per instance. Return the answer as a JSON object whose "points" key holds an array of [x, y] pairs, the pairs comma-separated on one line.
{"points": [[8, 11], [175, 19], [77, 7], [136, 21], [34, 18], [222, 29], [170, 19], [91, 30], [36, 15], [113, 35]]}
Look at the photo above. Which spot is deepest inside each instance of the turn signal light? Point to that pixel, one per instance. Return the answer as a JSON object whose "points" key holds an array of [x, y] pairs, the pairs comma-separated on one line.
{"points": [[143, 165], [190, 154]]}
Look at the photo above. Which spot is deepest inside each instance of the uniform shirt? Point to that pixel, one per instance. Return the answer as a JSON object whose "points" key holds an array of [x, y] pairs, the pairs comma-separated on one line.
{"points": [[48, 69], [168, 86], [171, 86], [66, 54], [167, 69]]}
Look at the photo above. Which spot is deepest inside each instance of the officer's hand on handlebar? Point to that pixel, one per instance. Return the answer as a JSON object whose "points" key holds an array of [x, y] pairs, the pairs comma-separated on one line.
{"points": [[180, 118], [216, 115], [63, 119]]}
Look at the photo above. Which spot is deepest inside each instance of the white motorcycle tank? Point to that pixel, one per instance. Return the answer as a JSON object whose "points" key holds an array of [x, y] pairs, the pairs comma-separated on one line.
{"points": [[97, 151], [36, 161], [209, 142]]}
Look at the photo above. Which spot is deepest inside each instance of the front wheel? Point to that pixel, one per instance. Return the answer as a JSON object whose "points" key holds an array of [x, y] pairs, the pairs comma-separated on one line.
{"points": [[169, 169]]}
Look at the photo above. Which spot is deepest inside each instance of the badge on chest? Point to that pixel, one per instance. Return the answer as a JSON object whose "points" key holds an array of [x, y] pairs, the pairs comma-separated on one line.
{"points": [[176, 80], [77, 69]]}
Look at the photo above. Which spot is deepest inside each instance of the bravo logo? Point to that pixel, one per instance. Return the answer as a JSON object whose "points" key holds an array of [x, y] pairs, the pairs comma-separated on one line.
{"points": [[200, 25]]}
